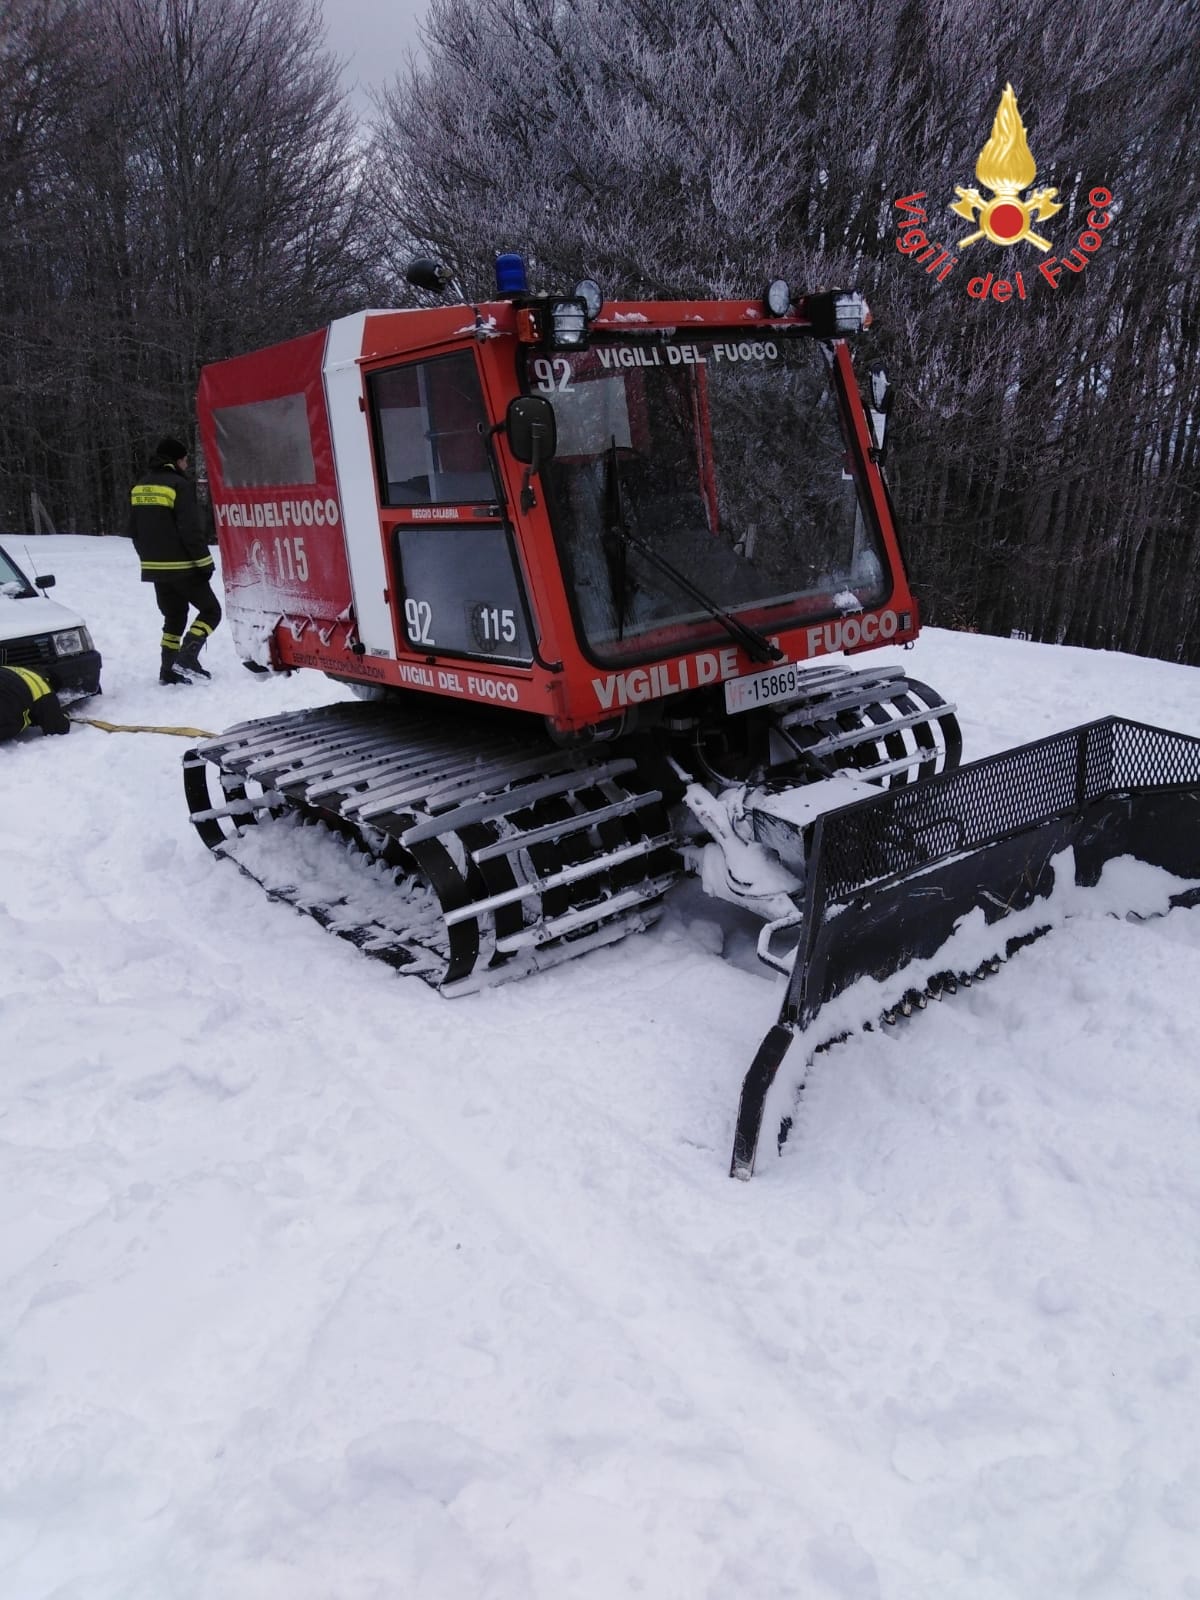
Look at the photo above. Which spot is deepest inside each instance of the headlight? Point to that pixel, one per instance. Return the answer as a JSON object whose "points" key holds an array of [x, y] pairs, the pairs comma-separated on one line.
{"points": [[72, 642]]}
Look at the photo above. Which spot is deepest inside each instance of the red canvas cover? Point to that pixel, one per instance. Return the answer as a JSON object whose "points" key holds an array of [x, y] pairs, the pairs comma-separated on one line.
{"points": [[265, 435]]}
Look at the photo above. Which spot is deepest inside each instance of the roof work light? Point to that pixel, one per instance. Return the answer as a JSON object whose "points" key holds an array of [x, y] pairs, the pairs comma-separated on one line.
{"points": [[556, 323], [837, 313], [777, 298], [423, 272], [590, 292], [568, 324]]}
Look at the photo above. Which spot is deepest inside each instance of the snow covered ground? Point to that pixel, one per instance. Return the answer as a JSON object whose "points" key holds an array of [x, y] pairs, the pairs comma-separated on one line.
{"points": [[316, 1286]]}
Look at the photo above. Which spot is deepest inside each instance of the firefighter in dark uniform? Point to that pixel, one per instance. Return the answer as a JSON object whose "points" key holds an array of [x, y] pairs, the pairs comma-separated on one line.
{"points": [[164, 524], [27, 700]]}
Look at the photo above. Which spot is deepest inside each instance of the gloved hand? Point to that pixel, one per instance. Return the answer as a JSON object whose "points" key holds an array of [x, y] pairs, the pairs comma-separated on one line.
{"points": [[50, 716]]}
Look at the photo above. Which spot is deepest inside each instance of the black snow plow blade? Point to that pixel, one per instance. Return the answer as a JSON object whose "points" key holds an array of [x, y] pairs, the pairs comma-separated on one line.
{"points": [[919, 875]]}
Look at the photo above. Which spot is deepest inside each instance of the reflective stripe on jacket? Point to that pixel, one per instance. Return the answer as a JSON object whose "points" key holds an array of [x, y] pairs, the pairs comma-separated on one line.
{"points": [[165, 526]]}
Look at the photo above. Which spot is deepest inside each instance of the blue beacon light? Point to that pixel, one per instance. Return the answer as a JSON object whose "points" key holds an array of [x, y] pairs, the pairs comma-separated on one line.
{"points": [[510, 275]]}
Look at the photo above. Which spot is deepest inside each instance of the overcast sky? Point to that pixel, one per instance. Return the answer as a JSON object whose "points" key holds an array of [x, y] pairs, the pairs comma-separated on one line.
{"points": [[371, 36]]}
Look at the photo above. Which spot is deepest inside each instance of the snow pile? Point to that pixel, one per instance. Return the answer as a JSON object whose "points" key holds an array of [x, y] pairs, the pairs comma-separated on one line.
{"points": [[319, 1287]]}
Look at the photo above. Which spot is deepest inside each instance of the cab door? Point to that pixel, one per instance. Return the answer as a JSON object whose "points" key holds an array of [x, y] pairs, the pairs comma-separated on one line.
{"points": [[454, 572]]}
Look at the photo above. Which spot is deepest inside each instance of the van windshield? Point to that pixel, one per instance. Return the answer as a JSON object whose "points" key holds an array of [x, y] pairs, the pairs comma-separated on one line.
{"points": [[731, 463], [12, 580]]}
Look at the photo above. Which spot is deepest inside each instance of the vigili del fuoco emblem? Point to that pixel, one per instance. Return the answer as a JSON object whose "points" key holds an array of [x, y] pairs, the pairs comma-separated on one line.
{"points": [[1006, 166]]}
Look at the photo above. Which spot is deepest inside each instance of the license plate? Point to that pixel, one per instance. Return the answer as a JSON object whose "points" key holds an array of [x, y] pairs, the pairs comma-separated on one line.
{"points": [[763, 688]]}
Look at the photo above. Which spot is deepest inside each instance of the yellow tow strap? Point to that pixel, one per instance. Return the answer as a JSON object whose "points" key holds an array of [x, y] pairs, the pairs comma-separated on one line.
{"points": [[143, 727]]}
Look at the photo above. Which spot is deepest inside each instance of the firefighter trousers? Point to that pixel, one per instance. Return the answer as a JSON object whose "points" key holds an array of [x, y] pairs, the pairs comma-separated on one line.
{"points": [[178, 593]]}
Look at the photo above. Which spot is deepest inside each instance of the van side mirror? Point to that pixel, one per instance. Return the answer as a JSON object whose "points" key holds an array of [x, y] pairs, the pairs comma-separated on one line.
{"points": [[45, 583], [532, 437]]}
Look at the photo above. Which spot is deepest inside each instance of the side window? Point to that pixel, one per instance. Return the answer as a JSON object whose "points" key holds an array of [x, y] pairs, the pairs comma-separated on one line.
{"points": [[265, 443], [462, 593], [429, 423]]}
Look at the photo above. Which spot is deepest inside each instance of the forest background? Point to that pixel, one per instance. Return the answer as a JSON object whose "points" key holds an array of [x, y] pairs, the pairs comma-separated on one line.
{"points": [[183, 180]]}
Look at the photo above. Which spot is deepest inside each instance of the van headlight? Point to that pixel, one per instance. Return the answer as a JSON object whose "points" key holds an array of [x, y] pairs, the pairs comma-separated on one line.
{"points": [[72, 642]]}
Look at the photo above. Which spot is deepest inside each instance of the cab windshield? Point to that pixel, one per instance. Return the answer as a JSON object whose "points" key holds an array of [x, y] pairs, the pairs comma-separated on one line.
{"points": [[727, 458]]}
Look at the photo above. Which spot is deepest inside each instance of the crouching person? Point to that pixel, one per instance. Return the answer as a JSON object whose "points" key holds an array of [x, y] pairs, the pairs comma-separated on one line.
{"points": [[27, 700]]}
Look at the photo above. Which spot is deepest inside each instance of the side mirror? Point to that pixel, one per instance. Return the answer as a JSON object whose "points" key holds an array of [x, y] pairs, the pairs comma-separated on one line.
{"points": [[532, 437], [45, 583], [882, 396], [532, 430]]}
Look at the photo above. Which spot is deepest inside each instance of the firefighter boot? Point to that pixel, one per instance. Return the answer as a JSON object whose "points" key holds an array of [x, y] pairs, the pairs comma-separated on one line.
{"points": [[189, 655], [167, 672]]}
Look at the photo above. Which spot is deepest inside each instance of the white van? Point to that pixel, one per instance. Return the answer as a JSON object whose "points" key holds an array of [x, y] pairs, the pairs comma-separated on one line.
{"points": [[39, 633]]}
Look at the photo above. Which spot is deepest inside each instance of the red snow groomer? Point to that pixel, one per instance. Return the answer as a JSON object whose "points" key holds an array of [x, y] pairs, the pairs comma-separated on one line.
{"points": [[585, 564]]}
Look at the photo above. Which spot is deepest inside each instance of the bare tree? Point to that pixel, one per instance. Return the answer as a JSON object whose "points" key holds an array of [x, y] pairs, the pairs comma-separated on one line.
{"points": [[44, 72], [199, 198], [1045, 462]]}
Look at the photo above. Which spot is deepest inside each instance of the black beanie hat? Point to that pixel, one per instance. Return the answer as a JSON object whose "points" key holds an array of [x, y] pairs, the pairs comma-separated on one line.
{"points": [[170, 450]]}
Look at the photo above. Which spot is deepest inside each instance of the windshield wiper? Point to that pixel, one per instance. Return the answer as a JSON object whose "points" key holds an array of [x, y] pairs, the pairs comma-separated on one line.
{"points": [[755, 644], [616, 534]]}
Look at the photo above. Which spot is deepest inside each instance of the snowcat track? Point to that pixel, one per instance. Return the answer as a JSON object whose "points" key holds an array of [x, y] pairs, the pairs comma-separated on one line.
{"points": [[510, 853], [883, 726], [891, 878]]}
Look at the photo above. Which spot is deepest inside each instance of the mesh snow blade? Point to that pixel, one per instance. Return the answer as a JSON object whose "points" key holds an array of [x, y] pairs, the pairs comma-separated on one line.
{"points": [[890, 878]]}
